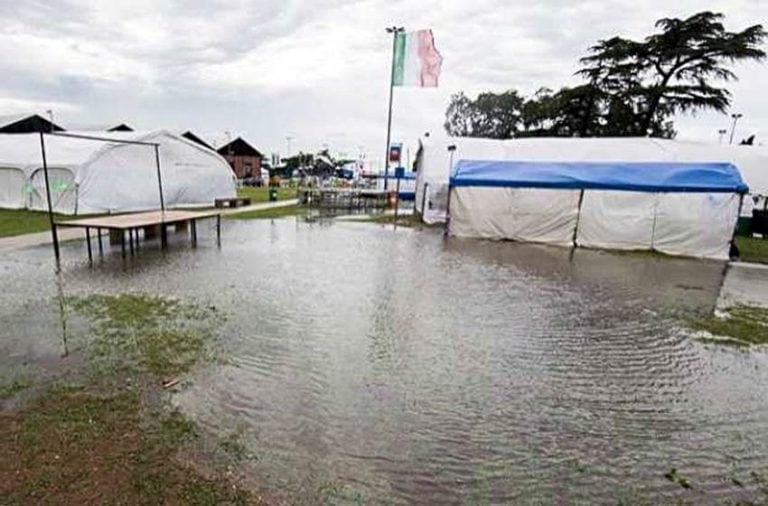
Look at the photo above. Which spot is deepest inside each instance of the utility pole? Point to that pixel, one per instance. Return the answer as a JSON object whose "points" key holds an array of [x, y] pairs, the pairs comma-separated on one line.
{"points": [[394, 30], [735, 118]]}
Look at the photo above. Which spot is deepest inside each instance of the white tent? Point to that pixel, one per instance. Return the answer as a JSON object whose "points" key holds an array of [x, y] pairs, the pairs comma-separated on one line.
{"points": [[89, 176], [435, 162]]}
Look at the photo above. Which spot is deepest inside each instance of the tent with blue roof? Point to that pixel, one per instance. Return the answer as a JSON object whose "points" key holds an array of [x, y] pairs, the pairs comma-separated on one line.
{"points": [[669, 196]]}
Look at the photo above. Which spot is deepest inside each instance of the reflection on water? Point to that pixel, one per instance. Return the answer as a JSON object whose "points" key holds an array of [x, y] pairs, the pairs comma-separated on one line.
{"points": [[396, 366]]}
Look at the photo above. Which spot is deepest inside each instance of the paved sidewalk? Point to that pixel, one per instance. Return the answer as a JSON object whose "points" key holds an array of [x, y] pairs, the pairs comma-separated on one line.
{"points": [[72, 234]]}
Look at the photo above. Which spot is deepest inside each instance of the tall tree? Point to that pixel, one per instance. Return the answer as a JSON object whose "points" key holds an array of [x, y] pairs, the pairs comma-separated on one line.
{"points": [[675, 70], [492, 115]]}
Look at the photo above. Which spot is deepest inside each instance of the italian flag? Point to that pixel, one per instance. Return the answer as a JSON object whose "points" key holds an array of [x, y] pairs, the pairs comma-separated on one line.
{"points": [[416, 61]]}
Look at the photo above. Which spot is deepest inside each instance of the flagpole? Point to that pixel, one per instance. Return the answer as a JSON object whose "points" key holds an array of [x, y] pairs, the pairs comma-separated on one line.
{"points": [[394, 30]]}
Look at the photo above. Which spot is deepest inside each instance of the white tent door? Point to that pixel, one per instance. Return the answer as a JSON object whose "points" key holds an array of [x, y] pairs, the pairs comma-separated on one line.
{"points": [[63, 190], [12, 183], [696, 224], [616, 220], [521, 214]]}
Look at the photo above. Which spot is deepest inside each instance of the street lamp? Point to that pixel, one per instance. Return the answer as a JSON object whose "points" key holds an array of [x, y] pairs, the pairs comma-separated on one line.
{"points": [[721, 133], [735, 118]]}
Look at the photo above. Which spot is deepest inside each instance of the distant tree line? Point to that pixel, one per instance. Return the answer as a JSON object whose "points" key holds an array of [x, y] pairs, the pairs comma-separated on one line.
{"points": [[630, 88]]}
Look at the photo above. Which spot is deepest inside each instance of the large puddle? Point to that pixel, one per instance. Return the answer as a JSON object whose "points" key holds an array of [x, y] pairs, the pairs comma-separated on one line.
{"points": [[372, 365]]}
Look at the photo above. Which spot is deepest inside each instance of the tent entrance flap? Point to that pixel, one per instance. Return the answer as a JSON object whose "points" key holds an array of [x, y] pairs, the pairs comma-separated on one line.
{"points": [[716, 177]]}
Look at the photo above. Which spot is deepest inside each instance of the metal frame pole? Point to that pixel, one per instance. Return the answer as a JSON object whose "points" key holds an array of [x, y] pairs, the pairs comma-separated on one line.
{"points": [[451, 149], [159, 177], [394, 31], [54, 234], [88, 241]]}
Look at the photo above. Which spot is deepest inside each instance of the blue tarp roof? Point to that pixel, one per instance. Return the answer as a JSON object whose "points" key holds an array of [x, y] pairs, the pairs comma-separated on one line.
{"points": [[627, 176]]}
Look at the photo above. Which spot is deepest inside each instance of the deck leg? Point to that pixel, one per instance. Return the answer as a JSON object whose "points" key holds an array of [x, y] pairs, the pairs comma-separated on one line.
{"points": [[136, 238], [122, 243], [130, 240], [163, 236], [88, 241], [193, 232], [218, 230], [101, 246]]}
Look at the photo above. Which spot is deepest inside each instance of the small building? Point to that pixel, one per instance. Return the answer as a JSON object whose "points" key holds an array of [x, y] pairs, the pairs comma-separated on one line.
{"points": [[26, 123], [244, 159]]}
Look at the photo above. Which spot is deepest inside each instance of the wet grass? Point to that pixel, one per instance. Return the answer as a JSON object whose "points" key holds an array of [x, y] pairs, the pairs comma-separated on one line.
{"points": [[263, 214], [21, 221], [117, 441], [13, 388], [261, 194], [741, 326], [752, 249], [146, 334], [82, 447]]}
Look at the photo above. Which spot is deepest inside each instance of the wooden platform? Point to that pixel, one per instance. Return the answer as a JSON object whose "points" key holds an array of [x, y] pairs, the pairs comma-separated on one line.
{"points": [[150, 222]]}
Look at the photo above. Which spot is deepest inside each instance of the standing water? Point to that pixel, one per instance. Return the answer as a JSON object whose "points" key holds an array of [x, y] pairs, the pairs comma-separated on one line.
{"points": [[372, 365]]}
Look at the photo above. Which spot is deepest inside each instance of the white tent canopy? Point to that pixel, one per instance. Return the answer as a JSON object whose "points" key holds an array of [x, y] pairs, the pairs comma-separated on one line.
{"points": [[435, 162], [88, 176]]}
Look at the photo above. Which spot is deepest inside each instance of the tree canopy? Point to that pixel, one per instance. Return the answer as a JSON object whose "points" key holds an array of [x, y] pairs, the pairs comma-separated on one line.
{"points": [[630, 88]]}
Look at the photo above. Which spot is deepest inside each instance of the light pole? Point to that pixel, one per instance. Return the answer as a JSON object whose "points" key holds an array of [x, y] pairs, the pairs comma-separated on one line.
{"points": [[288, 140], [394, 30], [735, 118], [721, 133]]}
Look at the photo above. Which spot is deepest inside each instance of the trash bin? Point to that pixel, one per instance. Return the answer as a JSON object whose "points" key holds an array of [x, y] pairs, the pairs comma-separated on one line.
{"points": [[273, 194], [744, 226]]}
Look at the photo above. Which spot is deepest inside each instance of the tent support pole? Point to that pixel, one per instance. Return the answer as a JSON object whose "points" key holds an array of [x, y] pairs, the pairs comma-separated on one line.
{"points": [[578, 218], [159, 177], [54, 232], [424, 199]]}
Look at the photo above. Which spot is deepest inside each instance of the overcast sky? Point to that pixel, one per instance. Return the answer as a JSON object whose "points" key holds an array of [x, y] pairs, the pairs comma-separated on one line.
{"points": [[316, 70]]}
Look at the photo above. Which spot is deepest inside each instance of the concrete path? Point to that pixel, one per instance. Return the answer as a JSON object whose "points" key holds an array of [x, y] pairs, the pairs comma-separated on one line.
{"points": [[745, 283], [72, 234]]}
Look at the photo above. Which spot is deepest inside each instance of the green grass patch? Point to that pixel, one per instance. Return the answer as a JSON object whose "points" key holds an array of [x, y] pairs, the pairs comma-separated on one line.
{"points": [[150, 334], [752, 249], [261, 194], [275, 212], [742, 325], [80, 447], [11, 389], [21, 221]]}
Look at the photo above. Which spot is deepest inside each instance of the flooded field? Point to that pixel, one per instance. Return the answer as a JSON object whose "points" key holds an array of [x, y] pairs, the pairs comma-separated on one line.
{"points": [[372, 365]]}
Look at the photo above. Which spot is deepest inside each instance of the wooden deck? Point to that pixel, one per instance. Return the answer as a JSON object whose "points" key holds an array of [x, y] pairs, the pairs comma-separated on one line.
{"points": [[150, 222]]}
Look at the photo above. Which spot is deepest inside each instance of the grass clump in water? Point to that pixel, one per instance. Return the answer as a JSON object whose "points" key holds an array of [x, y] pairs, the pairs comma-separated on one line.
{"points": [[117, 442], [160, 336], [741, 325], [11, 389]]}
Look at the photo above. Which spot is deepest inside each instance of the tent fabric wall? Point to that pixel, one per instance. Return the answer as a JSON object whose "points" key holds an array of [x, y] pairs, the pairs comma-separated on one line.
{"points": [[617, 220], [61, 181], [12, 184], [521, 214], [434, 167], [683, 224], [699, 225], [114, 177]]}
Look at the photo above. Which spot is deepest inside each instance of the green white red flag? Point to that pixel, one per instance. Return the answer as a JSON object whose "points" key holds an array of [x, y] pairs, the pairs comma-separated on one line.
{"points": [[417, 61]]}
